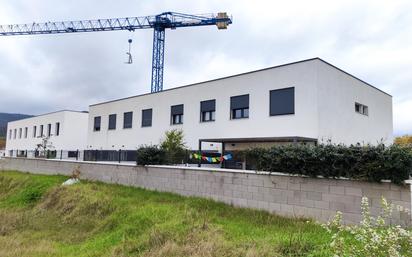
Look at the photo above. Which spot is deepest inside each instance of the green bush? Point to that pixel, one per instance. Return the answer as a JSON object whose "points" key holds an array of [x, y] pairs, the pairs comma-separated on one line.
{"points": [[151, 155], [370, 163]]}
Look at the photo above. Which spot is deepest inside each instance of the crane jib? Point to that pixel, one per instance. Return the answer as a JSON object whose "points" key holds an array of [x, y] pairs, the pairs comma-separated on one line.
{"points": [[166, 20]]}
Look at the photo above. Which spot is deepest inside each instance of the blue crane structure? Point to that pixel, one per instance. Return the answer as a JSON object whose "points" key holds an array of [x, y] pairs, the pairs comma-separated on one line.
{"points": [[159, 23]]}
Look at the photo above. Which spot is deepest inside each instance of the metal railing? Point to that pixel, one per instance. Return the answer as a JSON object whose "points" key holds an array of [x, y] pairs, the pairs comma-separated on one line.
{"points": [[120, 156]]}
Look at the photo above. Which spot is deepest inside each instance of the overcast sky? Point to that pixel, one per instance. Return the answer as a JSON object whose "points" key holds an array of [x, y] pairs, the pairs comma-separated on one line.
{"points": [[38, 74]]}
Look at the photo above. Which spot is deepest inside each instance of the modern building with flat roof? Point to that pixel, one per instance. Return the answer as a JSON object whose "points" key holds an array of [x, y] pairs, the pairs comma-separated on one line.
{"points": [[306, 101], [66, 130]]}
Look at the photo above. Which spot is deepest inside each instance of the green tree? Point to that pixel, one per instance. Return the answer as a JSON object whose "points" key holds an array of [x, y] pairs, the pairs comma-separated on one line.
{"points": [[174, 146]]}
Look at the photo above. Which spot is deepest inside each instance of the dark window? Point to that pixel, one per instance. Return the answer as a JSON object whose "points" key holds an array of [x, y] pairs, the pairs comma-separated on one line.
{"points": [[10, 132], [127, 120], [20, 132], [57, 132], [26, 130], [177, 114], [41, 130], [34, 131], [207, 110], [112, 121], [147, 117], [362, 109], [239, 106], [282, 101], [48, 130], [72, 154], [97, 123]]}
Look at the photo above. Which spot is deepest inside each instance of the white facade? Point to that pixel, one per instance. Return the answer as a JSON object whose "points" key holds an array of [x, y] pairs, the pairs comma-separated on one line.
{"points": [[324, 110], [68, 131]]}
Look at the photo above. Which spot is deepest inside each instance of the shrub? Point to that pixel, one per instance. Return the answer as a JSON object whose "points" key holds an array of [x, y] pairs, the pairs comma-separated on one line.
{"points": [[174, 146], [151, 155], [370, 163], [372, 236]]}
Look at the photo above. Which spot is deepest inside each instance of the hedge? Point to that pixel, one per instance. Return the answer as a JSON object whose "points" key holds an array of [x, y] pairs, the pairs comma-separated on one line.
{"points": [[368, 163], [151, 155], [156, 155]]}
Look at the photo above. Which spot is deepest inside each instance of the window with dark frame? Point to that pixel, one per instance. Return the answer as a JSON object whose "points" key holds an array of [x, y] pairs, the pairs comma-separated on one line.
{"points": [[207, 110], [10, 133], [49, 130], [26, 131], [147, 117], [97, 123], [361, 109], [177, 114], [41, 131], [282, 101], [112, 121], [34, 131], [20, 132], [57, 132], [239, 107], [127, 120]]}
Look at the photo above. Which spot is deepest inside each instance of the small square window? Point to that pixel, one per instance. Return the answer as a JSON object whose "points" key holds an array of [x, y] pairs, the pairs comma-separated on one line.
{"points": [[361, 109]]}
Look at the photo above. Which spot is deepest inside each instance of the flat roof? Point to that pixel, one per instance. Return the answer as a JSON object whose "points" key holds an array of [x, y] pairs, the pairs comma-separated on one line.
{"points": [[245, 73], [259, 139], [44, 114]]}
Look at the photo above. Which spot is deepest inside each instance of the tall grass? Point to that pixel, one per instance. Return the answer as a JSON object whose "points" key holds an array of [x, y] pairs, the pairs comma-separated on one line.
{"points": [[38, 217]]}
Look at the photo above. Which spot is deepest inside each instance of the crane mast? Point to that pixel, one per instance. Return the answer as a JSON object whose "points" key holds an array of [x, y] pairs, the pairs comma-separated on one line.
{"points": [[159, 23]]}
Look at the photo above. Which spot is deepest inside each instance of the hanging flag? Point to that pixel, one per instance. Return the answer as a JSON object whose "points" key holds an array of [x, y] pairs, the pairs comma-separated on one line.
{"points": [[211, 159]]}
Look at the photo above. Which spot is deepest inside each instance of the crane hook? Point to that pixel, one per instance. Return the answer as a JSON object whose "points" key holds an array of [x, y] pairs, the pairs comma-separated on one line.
{"points": [[129, 54]]}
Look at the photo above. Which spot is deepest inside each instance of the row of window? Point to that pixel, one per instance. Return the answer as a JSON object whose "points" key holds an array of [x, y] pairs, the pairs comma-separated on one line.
{"points": [[39, 133], [362, 109], [282, 102]]}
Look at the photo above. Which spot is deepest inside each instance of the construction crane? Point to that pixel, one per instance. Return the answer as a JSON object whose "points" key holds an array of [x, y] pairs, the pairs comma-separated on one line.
{"points": [[159, 23]]}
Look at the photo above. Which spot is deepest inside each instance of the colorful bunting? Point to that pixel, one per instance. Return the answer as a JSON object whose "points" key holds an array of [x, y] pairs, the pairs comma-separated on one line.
{"points": [[211, 159]]}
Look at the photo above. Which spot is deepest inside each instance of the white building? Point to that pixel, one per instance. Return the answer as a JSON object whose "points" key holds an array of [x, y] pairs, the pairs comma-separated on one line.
{"points": [[309, 101], [66, 130]]}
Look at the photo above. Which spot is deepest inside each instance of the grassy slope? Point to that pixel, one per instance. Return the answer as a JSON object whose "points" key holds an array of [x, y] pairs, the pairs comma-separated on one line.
{"points": [[2, 142], [40, 218]]}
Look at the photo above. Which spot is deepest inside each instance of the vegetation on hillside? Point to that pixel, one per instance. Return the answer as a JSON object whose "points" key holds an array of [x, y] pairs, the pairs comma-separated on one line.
{"points": [[404, 140], [2, 143], [38, 217], [6, 117]]}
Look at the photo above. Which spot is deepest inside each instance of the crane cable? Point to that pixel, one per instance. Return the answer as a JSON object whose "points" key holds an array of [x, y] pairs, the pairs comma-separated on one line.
{"points": [[129, 54]]}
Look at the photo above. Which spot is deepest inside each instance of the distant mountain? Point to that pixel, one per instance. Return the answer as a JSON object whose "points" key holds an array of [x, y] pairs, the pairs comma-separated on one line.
{"points": [[6, 117]]}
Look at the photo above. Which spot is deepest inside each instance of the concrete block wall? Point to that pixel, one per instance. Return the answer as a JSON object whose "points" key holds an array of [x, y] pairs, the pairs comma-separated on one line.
{"points": [[315, 198]]}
